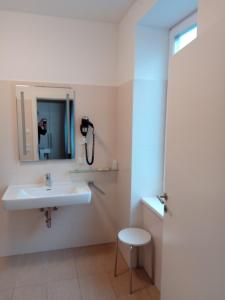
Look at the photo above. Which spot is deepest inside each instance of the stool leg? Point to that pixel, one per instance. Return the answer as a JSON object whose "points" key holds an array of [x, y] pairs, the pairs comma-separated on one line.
{"points": [[153, 262], [138, 257], [131, 271], [116, 258]]}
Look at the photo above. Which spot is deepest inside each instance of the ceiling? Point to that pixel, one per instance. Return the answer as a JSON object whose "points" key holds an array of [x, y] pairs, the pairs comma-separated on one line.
{"points": [[167, 13], [94, 10]]}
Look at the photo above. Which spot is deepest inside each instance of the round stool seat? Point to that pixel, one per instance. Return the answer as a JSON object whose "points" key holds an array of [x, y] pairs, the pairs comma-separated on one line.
{"points": [[134, 236]]}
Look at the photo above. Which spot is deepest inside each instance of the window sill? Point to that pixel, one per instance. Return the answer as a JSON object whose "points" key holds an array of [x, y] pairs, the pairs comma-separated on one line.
{"points": [[154, 204]]}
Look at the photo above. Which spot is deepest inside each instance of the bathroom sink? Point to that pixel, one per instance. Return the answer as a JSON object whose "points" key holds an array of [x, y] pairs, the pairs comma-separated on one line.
{"points": [[40, 196]]}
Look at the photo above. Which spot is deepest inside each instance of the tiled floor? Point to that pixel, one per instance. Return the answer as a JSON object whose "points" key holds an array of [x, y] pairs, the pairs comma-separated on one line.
{"points": [[75, 274]]}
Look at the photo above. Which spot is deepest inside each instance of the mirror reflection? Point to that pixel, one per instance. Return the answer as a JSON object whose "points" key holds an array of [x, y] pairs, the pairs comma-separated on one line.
{"points": [[46, 119]]}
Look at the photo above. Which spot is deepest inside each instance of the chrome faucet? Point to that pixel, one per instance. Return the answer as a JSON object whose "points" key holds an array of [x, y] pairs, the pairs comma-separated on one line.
{"points": [[48, 180]]}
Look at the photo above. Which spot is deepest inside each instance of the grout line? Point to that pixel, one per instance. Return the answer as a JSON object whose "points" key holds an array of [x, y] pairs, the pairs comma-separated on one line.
{"points": [[13, 292], [78, 276]]}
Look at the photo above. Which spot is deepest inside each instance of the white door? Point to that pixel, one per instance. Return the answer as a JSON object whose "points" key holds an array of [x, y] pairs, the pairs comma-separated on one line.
{"points": [[194, 227]]}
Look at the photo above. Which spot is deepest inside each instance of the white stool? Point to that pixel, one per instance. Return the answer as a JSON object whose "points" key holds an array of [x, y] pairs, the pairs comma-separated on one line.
{"points": [[133, 237]]}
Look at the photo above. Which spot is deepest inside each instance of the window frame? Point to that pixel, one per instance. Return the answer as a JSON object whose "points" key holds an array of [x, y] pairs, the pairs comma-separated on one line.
{"points": [[179, 29]]}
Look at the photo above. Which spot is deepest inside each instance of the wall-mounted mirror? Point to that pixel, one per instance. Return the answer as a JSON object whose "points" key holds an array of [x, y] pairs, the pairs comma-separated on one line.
{"points": [[46, 122]]}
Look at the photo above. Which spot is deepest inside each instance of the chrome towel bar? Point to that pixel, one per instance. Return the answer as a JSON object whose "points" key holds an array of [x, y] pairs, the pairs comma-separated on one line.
{"points": [[92, 184]]}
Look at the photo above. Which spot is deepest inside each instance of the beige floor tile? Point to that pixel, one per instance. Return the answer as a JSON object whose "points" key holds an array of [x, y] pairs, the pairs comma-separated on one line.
{"points": [[8, 272], [64, 290], [154, 293], [32, 269], [122, 266], [31, 292], [60, 265], [88, 261], [139, 295], [96, 287], [6, 294], [85, 273], [107, 258], [121, 283]]}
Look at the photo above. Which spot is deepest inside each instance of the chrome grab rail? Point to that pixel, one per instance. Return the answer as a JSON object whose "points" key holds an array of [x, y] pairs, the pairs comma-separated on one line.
{"points": [[92, 184]]}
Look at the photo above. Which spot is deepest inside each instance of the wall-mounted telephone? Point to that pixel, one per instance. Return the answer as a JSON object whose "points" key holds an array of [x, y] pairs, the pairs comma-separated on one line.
{"points": [[84, 127]]}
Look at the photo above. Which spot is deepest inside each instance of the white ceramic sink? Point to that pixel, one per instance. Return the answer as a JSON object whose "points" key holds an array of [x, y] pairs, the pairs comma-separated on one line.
{"points": [[39, 196]]}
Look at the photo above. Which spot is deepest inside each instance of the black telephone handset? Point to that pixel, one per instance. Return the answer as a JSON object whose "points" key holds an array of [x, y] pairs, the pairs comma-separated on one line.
{"points": [[84, 127]]}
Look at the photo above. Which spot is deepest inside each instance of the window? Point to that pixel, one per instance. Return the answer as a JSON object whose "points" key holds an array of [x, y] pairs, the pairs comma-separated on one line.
{"points": [[185, 38], [183, 34]]}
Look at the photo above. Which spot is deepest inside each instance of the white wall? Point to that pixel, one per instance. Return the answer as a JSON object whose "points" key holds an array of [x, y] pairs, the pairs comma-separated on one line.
{"points": [[25, 231], [50, 49], [149, 104], [210, 12], [127, 207], [151, 53], [123, 153], [126, 39], [152, 253], [129, 68], [125, 76], [65, 51]]}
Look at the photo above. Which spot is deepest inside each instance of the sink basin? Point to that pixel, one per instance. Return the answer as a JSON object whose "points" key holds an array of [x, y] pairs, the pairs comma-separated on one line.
{"points": [[39, 196]]}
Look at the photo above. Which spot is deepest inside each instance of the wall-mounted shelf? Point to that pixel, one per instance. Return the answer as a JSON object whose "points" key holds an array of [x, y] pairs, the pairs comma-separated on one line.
{"points": [[93, 170]]}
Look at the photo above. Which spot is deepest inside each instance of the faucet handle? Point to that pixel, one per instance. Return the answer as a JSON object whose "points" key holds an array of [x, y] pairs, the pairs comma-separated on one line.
{"points": [[48, 175], [48, 179]]}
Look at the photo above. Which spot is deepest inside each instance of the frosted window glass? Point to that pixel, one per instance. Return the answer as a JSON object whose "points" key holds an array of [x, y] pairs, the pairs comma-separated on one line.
{"points": [[185, 38]]}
